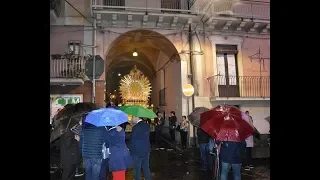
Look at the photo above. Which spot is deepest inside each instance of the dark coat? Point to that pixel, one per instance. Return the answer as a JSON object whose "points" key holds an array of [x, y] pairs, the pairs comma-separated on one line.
{"points": [[158, 123], [172, 121], [69, 149], [91, 141], [203, 137], [140, 142], [230, 152], [119, 158]]}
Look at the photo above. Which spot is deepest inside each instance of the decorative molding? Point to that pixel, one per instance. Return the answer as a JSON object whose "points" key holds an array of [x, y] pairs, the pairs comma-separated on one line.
{"points": [[226, 40]]}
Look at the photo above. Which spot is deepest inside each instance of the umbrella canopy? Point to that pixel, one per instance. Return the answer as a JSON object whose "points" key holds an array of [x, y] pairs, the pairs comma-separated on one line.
{"points": [[138, 111], [227, 119], [106, 117], [68, 117], [74, 110], [194, 117]]}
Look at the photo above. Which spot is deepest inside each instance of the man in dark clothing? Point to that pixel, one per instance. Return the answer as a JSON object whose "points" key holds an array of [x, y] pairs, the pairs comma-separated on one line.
{"points": [[206, 158], [91, 142], [172, 125], [230, 157], [158, 123], [70, 154], [140, 148]]}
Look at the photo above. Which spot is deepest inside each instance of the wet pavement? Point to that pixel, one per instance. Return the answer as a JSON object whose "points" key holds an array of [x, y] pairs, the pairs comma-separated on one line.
{"points": [[173, 164]]}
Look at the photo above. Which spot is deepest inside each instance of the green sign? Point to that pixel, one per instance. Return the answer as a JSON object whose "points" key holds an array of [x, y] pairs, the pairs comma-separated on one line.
{"points": [[62, 100]]}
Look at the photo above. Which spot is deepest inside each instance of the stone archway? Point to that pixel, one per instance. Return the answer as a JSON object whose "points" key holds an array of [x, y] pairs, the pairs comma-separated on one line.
{"points": [[154, 52]]}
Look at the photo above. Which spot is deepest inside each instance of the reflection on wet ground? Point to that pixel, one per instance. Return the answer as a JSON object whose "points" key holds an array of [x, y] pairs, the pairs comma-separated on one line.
{"points": [[174, 165], [168, 163]]}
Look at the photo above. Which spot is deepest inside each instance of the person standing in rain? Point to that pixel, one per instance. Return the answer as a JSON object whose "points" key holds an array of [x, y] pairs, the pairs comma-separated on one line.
{"points": [[105, 160], [77, 131], [230, 157], [172, 125], [119, 158], [159, 122], [91, 141], [250, 143], [206, 158], [140, 148], [70, 154], [184, 128]]}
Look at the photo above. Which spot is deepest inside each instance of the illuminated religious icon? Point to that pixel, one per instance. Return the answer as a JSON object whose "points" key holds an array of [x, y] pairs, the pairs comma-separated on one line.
{"points": [[135, 88]]}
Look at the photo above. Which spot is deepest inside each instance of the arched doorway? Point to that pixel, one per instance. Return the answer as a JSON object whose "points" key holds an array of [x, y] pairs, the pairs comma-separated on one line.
{"points": [[157, 58]]}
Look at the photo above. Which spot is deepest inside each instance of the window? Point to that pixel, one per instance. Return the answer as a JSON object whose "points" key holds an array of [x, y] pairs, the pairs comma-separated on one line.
{"points": [[114, 2], [227, 70], [74, 47]]}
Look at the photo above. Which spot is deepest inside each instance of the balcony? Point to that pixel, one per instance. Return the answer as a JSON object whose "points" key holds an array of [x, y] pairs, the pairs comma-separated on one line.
{"points": [[55, 9], [239, 87], [147, 5], [67, 70], [144, 13]]}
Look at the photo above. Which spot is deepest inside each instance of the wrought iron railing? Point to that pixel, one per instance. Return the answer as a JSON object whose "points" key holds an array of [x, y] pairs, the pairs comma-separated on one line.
{"points": [[56, 6], [187, 6], [70, 66], [239, 86]]}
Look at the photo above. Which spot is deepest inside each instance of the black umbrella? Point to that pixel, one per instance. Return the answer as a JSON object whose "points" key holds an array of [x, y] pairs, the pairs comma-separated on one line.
{"points": [[256, 133], [194, 117], [68, 117]]}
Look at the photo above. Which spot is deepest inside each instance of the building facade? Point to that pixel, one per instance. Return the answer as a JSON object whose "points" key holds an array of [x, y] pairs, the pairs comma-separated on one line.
{"points": [[222, 47]]}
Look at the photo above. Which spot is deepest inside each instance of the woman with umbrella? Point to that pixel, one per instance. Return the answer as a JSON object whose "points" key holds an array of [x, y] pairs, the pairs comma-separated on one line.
{"points": [[119, 159], [226, 125], [113, 120]]}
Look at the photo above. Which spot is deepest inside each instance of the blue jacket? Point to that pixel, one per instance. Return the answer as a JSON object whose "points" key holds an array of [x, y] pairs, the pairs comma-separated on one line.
{"points": [[119, 158], [140, 142], [230, 152], [91, 141]]}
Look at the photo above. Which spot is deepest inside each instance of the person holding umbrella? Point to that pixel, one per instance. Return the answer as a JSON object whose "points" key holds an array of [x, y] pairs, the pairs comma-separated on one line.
{"points": [[226, 125], [140, 148], [70, 155], [91, 141], [140, 142], [230, 157], [119, 159], [119, 156]]}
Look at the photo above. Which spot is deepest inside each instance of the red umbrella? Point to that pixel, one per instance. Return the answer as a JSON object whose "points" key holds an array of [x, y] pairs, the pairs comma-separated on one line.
{"points": [[224, 123]]}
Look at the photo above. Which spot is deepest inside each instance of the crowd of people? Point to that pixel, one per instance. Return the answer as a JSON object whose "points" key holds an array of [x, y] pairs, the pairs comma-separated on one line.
{"points": [[104, 150]]}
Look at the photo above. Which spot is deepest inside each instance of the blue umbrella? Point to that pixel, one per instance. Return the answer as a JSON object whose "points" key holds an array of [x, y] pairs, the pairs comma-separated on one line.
{"points": [[106, 117]]}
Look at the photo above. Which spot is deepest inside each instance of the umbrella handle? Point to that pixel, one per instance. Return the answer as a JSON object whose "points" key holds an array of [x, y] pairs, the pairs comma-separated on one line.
{"points": [[68, 123]]}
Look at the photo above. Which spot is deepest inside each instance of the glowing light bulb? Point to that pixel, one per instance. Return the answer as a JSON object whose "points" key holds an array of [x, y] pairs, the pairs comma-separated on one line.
{"points": [[135, 54]]}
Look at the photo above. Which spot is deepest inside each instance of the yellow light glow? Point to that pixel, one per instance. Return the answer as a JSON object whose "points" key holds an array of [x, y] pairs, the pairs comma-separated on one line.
{"points": [[135, 88], [135, 54]]}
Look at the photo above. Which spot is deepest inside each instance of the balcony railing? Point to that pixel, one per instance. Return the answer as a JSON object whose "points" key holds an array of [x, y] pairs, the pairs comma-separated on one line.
{"points": [[71, 66], [240, 86], [55, 5], [187, 6]]}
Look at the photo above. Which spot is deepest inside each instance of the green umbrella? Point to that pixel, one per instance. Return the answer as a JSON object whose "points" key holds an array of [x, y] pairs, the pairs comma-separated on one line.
{"points": [[138, 111]]}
